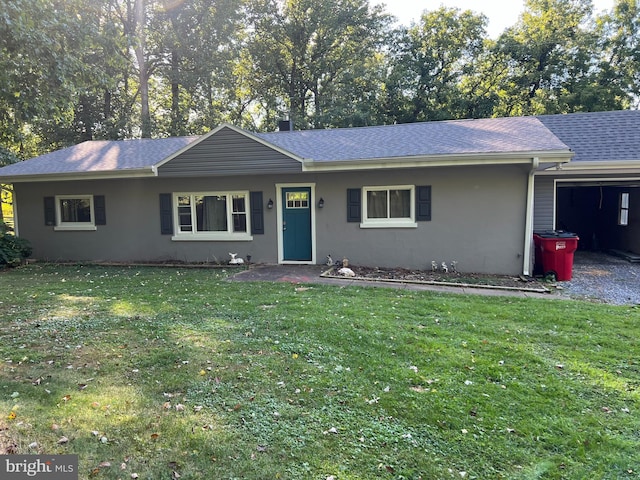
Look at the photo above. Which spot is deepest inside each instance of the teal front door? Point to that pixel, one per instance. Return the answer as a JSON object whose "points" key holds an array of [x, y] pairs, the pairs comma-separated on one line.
{"points": [[296, 224]]}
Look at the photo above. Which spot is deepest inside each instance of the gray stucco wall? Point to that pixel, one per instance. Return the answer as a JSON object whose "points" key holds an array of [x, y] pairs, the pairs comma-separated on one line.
{"points": [[477, 219]]}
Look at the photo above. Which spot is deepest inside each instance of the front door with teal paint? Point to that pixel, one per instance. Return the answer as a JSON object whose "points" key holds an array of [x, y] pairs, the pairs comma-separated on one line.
{"points": [[296, 224]]}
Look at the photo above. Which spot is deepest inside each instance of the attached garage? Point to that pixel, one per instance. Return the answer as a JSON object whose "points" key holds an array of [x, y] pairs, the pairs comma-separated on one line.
{"points": [[603, 214], [597, 194]]}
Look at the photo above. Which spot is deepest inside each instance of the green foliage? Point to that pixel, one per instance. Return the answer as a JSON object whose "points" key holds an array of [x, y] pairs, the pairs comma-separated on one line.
{"points": [[430, 62], [112, 69], [307, 53], [13, 250], [174, 373]]}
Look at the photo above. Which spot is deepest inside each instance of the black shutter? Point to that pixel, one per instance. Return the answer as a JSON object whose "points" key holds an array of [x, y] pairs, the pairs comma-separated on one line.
{"points": [[354, 205], [423, 203], [100, 214], [49, 211], [257, 216], [166, 214]]}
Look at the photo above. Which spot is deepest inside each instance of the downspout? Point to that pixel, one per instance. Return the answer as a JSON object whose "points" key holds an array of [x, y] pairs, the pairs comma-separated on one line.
{"points": [[528, 227]]}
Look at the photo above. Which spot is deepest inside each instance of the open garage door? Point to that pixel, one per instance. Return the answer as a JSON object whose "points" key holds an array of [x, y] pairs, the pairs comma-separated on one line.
{"points": [[605, 215]]}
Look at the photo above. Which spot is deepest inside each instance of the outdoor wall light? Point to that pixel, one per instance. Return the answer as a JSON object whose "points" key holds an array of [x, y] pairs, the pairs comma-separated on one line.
{"points": [[321, 203], [270, 204]]}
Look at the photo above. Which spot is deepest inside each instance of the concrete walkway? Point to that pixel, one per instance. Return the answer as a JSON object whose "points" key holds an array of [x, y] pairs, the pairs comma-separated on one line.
{"points": [[310, 274]]}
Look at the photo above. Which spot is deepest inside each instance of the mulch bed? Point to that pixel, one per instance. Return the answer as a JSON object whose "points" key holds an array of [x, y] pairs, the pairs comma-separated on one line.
{"points": [[439, 277]]}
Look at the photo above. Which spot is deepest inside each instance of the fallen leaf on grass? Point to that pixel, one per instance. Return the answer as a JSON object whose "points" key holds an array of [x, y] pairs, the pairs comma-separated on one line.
{"points": [[66, 398], [63, 440], [154, 436]]}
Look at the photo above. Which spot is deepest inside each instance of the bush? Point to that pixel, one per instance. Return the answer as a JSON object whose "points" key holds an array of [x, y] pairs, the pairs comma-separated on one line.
{"points": [[13, 250]]}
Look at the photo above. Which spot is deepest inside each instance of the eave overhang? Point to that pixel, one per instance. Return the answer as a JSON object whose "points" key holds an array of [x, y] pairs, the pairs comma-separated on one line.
{"points": [[590, 168], [70, 176], [452, 160]]}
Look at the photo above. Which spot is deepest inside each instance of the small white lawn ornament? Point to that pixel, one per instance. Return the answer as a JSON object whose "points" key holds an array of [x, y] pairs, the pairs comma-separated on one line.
{"points": [[434, 266], [346, 272], [234, 260], [329, 261], [454, 266], [445, 269]]}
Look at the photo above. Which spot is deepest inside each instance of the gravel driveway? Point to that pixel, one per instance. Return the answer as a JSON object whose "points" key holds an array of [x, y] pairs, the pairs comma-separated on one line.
{"points": [[604, 278]]}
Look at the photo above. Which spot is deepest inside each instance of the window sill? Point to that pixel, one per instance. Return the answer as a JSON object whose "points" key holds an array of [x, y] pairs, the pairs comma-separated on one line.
{"points": [[224, 237], [75, 228], [389, 225]]}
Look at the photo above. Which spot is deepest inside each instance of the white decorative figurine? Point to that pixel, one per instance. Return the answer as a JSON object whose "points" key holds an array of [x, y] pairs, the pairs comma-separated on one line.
{"points": [[234, 260]]}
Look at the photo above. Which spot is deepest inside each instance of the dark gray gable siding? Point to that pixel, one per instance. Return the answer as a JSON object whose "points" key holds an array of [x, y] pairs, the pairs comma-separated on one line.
{"points": [[228, 152], [543, 204]]}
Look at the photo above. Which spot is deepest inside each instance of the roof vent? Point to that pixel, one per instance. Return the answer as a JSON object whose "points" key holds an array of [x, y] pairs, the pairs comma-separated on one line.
{"points": [[285, 125]]}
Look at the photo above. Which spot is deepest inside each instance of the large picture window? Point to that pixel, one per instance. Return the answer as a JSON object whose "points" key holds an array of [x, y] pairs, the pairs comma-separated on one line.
{"points": [[392, 206], [212, 215], [75, 212]]}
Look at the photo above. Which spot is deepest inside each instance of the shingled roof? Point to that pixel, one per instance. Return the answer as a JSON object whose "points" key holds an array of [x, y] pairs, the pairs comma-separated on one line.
{"points": [[598, 136], [450, 137], [100, 156]]}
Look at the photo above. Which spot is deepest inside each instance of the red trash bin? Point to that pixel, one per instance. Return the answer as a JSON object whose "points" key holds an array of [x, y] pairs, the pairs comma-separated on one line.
{"points": [[554, 253]]}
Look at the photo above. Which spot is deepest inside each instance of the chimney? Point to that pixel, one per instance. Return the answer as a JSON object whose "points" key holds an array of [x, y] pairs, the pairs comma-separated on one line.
{"points": [[285, 125]]}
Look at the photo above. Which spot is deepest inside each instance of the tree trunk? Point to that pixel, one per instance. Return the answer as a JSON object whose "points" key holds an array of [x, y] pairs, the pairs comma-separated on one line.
{"points": [[176, 121], [143, 74]]}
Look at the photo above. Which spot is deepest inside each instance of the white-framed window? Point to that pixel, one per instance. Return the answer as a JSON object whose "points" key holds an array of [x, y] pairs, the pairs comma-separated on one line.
{"points": [[623, 211], [75, 212], [211, 216], [388, 207]]}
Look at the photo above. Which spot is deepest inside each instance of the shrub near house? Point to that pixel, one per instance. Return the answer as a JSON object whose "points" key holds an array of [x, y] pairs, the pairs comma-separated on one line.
{"points": [[13, 250]]}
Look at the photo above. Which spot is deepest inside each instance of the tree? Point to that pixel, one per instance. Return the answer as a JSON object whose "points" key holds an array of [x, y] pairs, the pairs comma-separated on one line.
{"points": [[619, 53], [199, 41], [39, 67], [549, 53], [304, 52], [430, 63]]}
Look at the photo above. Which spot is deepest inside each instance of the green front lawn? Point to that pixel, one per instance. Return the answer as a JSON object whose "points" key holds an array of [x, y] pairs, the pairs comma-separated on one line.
{"points": [[177, 373]]}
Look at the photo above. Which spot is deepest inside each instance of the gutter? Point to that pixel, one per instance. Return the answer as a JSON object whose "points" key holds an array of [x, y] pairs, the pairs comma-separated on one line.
{"points": [[528, 227], [67, 176], [440, 160]]}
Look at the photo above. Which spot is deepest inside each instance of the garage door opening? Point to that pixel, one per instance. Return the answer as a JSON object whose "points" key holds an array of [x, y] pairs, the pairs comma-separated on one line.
{"points": [[604, 216]]}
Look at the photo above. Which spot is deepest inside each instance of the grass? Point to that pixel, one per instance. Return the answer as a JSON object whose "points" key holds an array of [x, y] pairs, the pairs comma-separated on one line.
{"points": [[175, 373]]}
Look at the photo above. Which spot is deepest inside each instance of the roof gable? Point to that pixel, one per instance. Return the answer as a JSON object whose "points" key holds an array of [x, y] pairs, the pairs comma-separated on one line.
{"points": [[229, 151]]}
